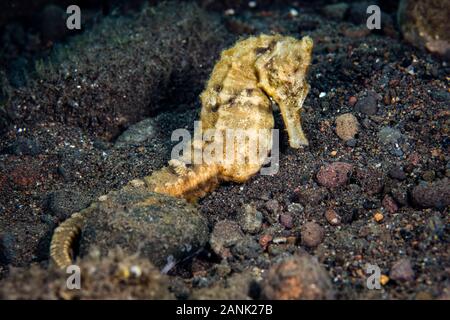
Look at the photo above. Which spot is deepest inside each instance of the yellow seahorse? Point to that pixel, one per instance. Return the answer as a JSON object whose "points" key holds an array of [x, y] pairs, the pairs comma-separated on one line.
{"points": [[237, 97]]}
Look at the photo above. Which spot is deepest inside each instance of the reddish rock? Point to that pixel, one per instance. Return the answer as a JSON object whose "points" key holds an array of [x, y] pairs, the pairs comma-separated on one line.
{"points": [[287, 221], [297, 278], [312, 234], [332, 217], [429, 195], [23, 177], [264, 240], [334, 175], [389, 204], [352, 101], [402, 270]]}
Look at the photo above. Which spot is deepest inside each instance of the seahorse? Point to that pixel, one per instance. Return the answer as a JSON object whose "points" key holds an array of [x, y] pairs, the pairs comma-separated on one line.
{"points": [[238, 96]]}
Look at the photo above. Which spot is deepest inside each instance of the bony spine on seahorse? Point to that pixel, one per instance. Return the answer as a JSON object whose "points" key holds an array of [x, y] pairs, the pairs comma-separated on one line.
{"points": [[238, 96]]}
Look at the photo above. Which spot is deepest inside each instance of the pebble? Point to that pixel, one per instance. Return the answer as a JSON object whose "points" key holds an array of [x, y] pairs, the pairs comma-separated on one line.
{"points": [[346, 126], [310, 196], [286, 220], [273, 208], [137, 133], [312, 234], [351, 143], [378, 217], [397, 173], [299, 277], [402, 270], [367, 105], [332, 217], [334, 175], [352, 101], [226, 233], [250, 219], [388, 135], [264, 240], [389, 204], [435, 194]]}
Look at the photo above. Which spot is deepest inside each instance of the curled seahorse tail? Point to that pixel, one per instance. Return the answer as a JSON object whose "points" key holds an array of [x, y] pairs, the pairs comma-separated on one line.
{"points": [[64, 236], [194, 184]]}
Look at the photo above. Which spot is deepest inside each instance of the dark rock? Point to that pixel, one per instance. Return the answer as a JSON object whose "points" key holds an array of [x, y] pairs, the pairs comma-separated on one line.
{"points": [[250, 219], [300, 277], [225, 234], [137, 133], [334, 175], [389, 204], [367, 105], [246, 248], [7, 251], [24, 146], [310, 196], [63, 203], [163, 229], [351, 143], [402, 271], [312, 234], [371, 180], [435, 194], [397, 173], [273, 209]]}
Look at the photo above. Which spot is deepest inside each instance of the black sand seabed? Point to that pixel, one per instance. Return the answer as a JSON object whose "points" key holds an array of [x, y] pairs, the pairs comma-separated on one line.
{"points": [[58, 154]]}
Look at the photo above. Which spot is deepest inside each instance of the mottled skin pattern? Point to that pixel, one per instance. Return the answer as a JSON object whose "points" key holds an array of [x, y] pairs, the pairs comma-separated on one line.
{"points": [[238, 96]]}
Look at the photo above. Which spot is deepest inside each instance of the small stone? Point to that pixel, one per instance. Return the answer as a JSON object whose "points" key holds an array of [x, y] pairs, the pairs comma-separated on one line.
{"points": [[402, 270], [264, 240], [384, 279], [389, 204], [346, 126], [287, 221], [225, 234], [378, 217], [299, 277], [397, 173], [351, 143], [435, 194], [352, 101], [137, 133], [332, 217], [312, 234], [309, 196], [334, 175], [388, 135], [250, 219], [273, 208], [367, 105]]}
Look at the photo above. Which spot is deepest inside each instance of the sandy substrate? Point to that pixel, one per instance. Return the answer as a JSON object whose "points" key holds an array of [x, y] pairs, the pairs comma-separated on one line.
{"points": [[380, 198]]}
